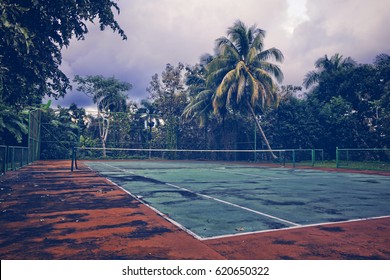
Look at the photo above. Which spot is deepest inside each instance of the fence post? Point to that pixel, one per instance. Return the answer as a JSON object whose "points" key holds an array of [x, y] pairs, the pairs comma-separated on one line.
{"points": [[313, 156], [293, 158], [73, 159], [5, 159]]}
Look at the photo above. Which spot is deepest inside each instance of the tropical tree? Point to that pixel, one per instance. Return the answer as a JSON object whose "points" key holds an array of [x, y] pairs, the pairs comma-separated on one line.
{"points": [[327, 66], [169, 96], [201, 95], [149, 114], [12, 125], [242, 73], [33, 33], [109, 95], [61, 129]]}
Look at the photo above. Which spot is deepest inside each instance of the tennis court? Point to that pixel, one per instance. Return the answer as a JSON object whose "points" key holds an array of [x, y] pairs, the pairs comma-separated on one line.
{"points": [[211, 200]]}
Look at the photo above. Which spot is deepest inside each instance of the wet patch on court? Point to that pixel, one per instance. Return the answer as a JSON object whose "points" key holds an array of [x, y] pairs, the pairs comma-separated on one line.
{"points": [[284, 242], [332, 229], [282, 203], [136, 178], [182, 193], [368, 181], [146, 233]]}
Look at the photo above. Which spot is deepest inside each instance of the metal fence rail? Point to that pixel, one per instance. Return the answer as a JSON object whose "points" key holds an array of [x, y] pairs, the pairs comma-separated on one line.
{"points": [[12, 158], [374, 158]]}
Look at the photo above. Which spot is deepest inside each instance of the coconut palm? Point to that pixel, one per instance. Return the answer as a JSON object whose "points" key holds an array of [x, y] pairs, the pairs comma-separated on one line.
{"points": [[201, 95], [242, 74], [326, 65]]}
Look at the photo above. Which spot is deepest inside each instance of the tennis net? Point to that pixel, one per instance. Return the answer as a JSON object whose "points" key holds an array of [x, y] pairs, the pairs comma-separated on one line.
{"points": [[280, 157]]}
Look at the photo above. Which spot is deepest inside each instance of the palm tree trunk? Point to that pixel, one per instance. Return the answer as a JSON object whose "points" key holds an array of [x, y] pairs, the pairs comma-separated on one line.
{"points": [[260, 129]]}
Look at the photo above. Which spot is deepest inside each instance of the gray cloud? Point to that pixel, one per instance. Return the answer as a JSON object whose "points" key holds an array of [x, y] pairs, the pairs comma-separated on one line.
{"points": [[169, 31]]}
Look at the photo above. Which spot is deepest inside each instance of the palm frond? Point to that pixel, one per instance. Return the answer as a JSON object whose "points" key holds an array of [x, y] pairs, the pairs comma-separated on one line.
{"points": [[239, 37], [310, 79], [272, 53], [200, 105], [272, 70], [258, 40], [205, 59]]}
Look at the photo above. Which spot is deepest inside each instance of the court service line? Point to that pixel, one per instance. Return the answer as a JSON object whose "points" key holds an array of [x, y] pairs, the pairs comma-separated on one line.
{"points": [[235, 205], [215, 199]]}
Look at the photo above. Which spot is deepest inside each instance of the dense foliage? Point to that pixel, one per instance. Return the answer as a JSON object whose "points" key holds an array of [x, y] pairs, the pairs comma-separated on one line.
{"points": [[32, 33], [223, 102], [346, 108]]}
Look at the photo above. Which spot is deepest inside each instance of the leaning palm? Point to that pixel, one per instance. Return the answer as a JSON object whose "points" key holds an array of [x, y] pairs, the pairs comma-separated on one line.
{"points": [[242, 73]]}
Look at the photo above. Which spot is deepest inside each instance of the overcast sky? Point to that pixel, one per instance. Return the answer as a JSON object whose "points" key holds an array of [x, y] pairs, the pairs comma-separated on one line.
{"points": [[172, 31]]}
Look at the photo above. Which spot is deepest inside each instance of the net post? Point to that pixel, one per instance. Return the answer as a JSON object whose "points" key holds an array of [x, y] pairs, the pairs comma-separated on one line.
{"points": [[13, 159], [74, 160], [29, 145], [337, 157], [6, 159], [21, 156]]}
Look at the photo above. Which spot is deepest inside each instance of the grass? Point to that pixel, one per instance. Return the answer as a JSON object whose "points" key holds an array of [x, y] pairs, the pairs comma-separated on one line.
{"points": [[363, 165]]}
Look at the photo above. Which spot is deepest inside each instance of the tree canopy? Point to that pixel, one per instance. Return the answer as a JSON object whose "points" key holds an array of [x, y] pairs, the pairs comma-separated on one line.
{"points": [[214, 104], [33, 33]]}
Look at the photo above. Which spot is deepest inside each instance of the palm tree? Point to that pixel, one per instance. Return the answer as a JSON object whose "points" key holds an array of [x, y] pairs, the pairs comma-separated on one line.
{"points": [[109, 96], [150, 115], [201, 95], [326, 65], [242, 73]]}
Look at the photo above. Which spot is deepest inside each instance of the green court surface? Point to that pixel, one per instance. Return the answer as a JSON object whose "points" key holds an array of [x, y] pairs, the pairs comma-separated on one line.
{"points": [[212, 200]]}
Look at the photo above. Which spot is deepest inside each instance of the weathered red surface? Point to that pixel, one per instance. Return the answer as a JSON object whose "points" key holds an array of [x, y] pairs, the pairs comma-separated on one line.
{"points": [[355, 240], [47, 212]]}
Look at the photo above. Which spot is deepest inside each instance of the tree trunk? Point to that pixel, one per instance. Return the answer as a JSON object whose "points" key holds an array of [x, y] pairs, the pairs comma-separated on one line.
{"points": [[260, 129], [104, 128]]}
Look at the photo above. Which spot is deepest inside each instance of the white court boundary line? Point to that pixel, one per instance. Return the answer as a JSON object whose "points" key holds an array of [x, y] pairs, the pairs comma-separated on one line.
{"points": [[158, 212], [148, 205], [213, 198], [295, 226]]}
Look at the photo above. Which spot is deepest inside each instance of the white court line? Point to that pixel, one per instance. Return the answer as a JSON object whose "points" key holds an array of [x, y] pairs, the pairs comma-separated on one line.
{"points": [[216, 199], [159, 212], [150, 206], [295, 226], [235, 205]]}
